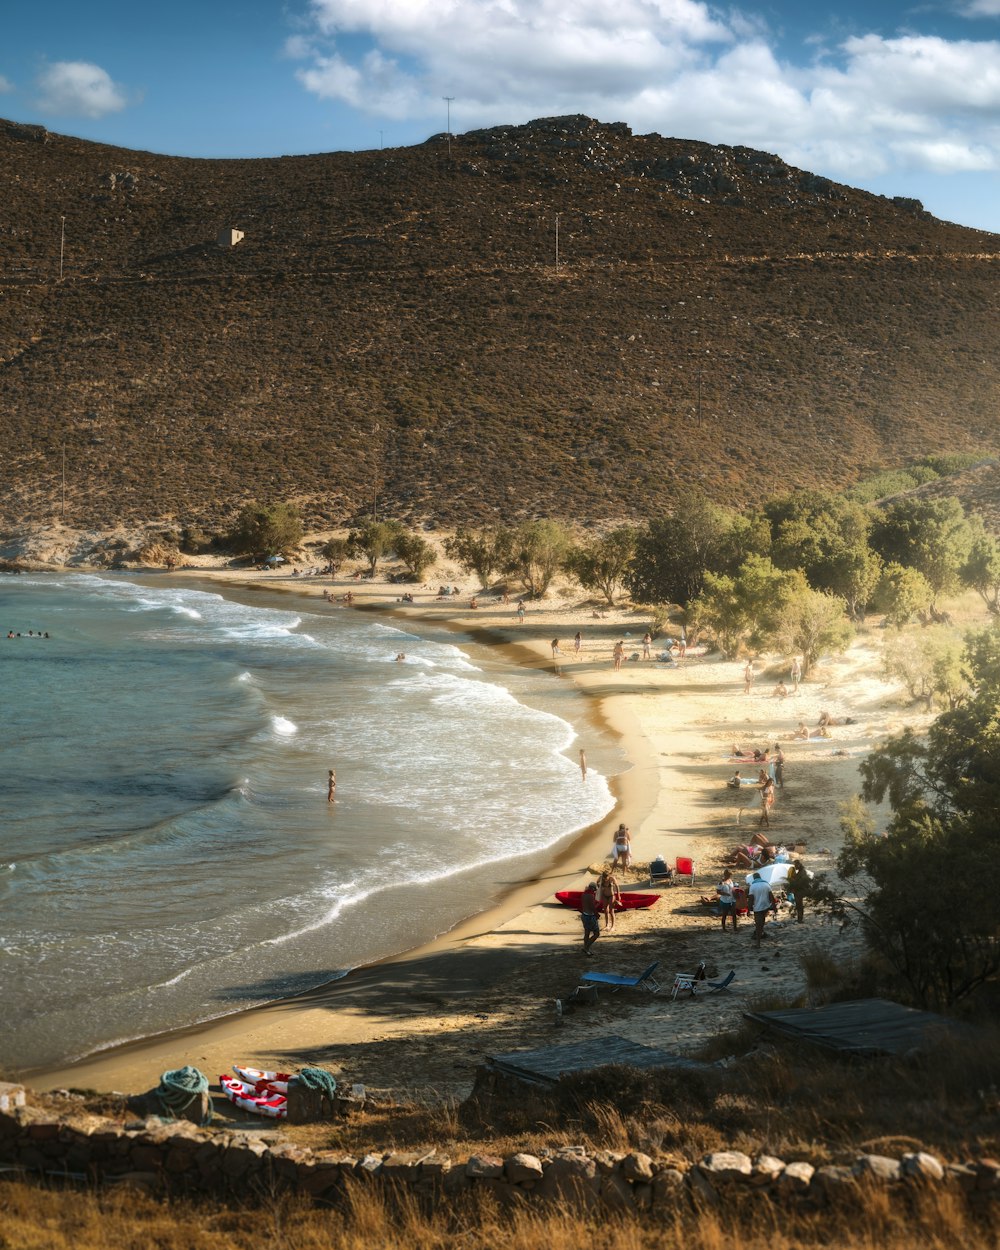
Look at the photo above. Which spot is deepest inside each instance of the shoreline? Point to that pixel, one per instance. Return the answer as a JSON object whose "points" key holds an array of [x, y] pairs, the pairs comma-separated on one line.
{"points": [[421, 1022], [561, 869]]}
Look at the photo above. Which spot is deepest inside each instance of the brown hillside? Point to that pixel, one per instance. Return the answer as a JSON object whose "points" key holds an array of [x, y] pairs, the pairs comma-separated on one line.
{"points": [[396, 318]]}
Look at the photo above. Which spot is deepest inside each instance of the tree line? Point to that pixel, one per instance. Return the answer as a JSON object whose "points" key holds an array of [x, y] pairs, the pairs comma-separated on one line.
{"points": [[794, 574]]}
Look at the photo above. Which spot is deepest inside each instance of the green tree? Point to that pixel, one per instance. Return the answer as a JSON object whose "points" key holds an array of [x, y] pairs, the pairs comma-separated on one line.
{"points": [[929, 666], [538, 551], [673, 554], [374, 541], [416, 553], [266, 530], [811, 623], [603, 563], [902, 594], [826, 536], [940, 950], [483, 552], [943, 792], [932, 536], [743, 608], [334, 552], [981, 570]]}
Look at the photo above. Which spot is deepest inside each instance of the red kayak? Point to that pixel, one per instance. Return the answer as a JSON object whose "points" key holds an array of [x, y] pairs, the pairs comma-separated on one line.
{"points": [[572, 898]]}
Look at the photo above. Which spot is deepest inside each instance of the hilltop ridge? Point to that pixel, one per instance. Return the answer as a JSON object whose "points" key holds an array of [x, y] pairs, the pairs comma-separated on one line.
{"points": [[399, 323]]}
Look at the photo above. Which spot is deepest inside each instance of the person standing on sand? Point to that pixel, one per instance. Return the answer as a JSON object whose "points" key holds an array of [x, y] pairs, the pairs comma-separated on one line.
{"points": [[796, 675], [520, 611], [556, 649], [761, 902], [727, 899], [622, 848], [618, 655], [608, 897], [779, 766], [577, 643], [583, 763], [798, 880], [766, 799], [591, 920], [647, 639], [748, 676], [331, 786]]}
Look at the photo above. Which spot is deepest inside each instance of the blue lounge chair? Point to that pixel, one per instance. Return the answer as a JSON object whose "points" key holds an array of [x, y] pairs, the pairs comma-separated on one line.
{"points": [[724, 984], [644, 981]]}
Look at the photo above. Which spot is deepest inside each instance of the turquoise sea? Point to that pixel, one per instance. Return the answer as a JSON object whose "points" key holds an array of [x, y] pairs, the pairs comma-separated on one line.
{"points": [[167, 853]]}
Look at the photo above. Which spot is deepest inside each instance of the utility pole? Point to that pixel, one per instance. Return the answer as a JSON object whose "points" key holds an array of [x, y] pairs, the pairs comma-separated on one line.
{"points": [[380, 140], [62, 246], [375, 430], [448, 99]]}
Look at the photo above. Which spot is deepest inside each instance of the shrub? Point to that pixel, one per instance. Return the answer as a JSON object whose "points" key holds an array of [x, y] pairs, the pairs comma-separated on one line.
{"points": [[266, 530]]}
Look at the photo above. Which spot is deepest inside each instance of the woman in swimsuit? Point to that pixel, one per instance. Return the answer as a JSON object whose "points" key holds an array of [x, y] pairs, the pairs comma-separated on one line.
{"points": [[608, 895], [622, 848]]}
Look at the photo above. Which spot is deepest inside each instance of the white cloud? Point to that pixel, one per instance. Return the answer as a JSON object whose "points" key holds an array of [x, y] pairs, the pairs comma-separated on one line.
{"points": [[298, 47], [868, 106], [78, 89], [5, 85], [981, 8]]}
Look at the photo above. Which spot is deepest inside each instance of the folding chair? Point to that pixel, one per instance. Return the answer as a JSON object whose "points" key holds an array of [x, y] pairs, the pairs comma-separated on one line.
{"points": [[684, 867], [659, 873], [686, 981]]}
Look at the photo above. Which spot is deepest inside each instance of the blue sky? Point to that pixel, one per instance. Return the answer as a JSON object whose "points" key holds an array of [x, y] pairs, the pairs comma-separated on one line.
{"points": [[899, 100]]}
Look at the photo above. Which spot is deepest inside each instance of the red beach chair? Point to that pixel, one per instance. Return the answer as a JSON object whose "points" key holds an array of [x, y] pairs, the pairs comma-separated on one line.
{"points": [[684, 867]]}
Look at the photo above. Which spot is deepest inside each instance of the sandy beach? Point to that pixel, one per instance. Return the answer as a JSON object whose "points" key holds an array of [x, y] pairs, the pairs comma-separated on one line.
{"points": [[419, 1025]]}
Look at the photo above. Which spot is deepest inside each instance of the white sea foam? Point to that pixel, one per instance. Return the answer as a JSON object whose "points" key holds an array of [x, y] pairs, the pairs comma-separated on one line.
{"points": [[215, 802]]}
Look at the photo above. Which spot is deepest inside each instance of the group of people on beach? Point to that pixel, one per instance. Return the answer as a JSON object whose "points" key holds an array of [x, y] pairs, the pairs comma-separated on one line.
{"points": [[603, 896], [758, 898]]}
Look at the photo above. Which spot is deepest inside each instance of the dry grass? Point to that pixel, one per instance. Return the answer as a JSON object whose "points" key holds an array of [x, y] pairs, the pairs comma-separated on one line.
{"points": [[779, 1098], [44, 1219]]}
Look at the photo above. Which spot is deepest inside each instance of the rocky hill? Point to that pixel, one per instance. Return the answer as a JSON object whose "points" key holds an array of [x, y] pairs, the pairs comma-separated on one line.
{"points": [[559, 318]]}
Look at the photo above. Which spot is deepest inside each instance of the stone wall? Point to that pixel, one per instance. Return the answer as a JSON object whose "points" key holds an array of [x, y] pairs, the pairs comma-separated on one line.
{"points": [[179, 1158]]}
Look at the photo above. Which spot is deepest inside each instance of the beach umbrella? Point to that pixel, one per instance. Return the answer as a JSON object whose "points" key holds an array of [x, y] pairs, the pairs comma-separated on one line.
{"points": [[773, 874]]}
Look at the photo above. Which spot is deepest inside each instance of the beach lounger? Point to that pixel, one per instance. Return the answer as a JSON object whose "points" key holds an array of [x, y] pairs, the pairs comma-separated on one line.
{"points": [[724, 984], [644, 981]]}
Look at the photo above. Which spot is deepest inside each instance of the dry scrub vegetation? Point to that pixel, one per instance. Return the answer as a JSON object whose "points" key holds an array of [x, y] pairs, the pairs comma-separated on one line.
{"points": [[39, 1219], [394, 321], [783, 1100]]}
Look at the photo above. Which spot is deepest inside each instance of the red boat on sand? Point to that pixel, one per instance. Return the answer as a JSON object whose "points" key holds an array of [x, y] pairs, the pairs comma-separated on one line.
{"points": [[629, 901]]}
